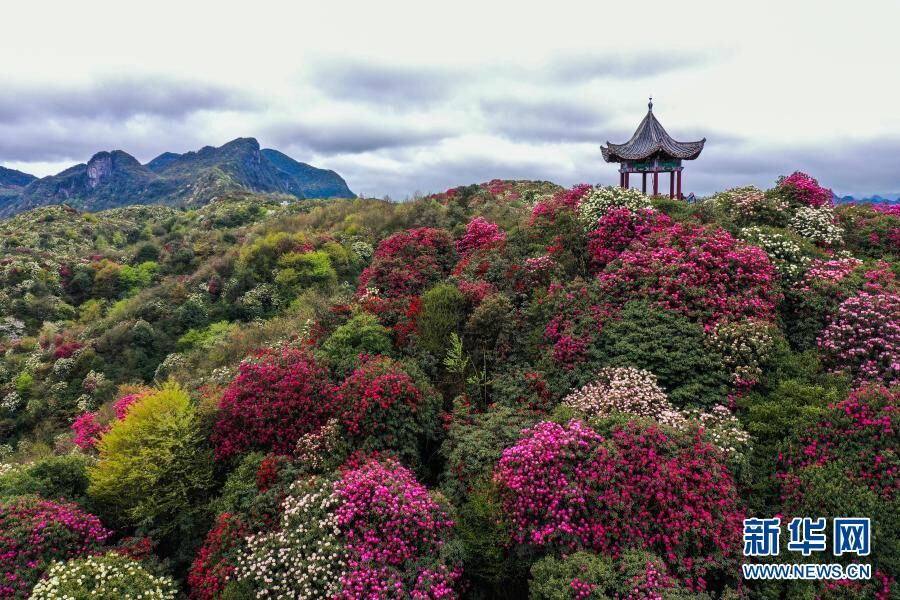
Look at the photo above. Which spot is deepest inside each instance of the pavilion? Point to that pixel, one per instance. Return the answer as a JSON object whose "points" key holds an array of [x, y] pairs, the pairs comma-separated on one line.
{"points": [[652, 150]]}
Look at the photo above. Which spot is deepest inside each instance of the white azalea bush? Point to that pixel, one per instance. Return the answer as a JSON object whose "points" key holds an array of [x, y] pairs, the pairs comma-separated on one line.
{"points": [[745, 346], [108, 577], [625, 390], [818, 224], [304, 557], [597, 201], [632, 391], [786, 254]]}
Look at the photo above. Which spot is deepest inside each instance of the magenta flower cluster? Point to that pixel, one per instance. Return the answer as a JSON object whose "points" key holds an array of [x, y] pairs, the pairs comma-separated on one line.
{"points": [[393, 530], [801, 189], [34, 533], [87, 428], [864, 337], [480, 233], [861, 432], [566, 488], [705, 274], [617, 229]]}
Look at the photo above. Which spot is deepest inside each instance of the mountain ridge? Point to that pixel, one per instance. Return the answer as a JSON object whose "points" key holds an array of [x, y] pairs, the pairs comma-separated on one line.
{"points": [[115, 178]]}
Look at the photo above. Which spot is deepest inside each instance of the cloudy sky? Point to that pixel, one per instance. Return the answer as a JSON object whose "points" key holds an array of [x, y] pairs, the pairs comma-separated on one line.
{"points": [[405, 97]]}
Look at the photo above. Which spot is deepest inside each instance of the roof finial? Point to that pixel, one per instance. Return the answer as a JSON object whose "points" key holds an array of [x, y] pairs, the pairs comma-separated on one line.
{"points": [[650, 104]]}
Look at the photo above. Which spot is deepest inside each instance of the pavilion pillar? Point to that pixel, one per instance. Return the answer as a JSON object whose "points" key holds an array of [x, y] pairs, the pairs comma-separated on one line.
{"points": [[644, 183], [679, 185], [627, 174], [655, 183], [671, 184]]}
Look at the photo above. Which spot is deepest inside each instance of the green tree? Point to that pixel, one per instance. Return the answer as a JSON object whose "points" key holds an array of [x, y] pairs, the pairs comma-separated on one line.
{"points": [[154, 465]]}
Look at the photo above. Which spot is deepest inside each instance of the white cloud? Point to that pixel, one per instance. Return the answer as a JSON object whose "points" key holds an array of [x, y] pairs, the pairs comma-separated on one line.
{"points": [[400, 96]]}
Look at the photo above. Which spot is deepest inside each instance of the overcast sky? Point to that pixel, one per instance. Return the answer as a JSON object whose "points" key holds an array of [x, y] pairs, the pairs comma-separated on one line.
{"points": [[401, 97]]}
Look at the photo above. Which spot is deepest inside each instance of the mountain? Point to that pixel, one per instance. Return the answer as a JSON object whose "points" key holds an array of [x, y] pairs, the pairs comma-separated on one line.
{"points": [[113, 179], [874, 199], [12, 183]]}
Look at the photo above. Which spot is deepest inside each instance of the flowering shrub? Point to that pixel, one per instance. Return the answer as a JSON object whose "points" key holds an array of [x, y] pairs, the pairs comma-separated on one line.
{"points": [[749, 205], [847, 463], [275, 398], [409, 261], [625, 390], [108, 576], [480, 233], [87, 427], [704, 274], [565, 200], [395, 534], [871, 230], [596, 202], [382, 407], [818, 225], [617, 229], [785, 253], [305, 556], [864, 337], [314, 450], [802, 190], [721, 429], [566, 488], [744, 346], [87, 430], [34, 533]]}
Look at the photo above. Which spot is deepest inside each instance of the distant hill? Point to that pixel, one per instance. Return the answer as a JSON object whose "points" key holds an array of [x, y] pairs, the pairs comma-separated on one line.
{"points": [[113, 179], [12, 183], [874, 199]]}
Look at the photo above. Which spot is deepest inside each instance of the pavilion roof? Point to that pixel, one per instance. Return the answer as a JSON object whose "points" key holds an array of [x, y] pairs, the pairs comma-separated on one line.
{"points": [[651, 140]]}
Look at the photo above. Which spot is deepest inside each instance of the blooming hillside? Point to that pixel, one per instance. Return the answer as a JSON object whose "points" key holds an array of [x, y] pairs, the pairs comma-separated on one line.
{"points": [[505, 390]]}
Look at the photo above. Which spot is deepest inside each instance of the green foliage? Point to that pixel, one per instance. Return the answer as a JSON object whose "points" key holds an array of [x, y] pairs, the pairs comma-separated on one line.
{"points": [[362, 334], [204, 338], [154, 466], [53, 478], [240, 491], [443, 310], [139, 277], [669, 346], [304, 269]]}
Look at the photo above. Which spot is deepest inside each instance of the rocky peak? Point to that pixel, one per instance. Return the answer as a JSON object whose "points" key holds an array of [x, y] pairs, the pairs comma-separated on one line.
{"points": [[99, 168]]}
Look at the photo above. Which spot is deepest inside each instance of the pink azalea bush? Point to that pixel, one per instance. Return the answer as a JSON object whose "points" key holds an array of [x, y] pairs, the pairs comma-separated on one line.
{"points": [[705, 274], [864, 337], [566, 488], [480, 233], [393, 529], [88, 426], [802, 190], [617, 229], [34, 533], [275, 398], [860, 431]]}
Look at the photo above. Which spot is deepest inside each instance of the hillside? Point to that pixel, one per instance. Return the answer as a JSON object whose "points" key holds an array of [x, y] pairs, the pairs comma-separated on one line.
{"points": [[506, 390], [111, 179], [12, 183]]}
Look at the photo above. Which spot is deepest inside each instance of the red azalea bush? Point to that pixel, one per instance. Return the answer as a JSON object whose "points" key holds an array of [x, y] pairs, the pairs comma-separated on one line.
{"points": [[864, 337], [617, 229], [862, 433], [275, 398], [565, 200], [567, 488], [217, 559], [705, 274], [382, 407], [34, 533], [395, 534], [408, 262], [575, 316], [484, 271], [802, 190], [480, 233]]}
